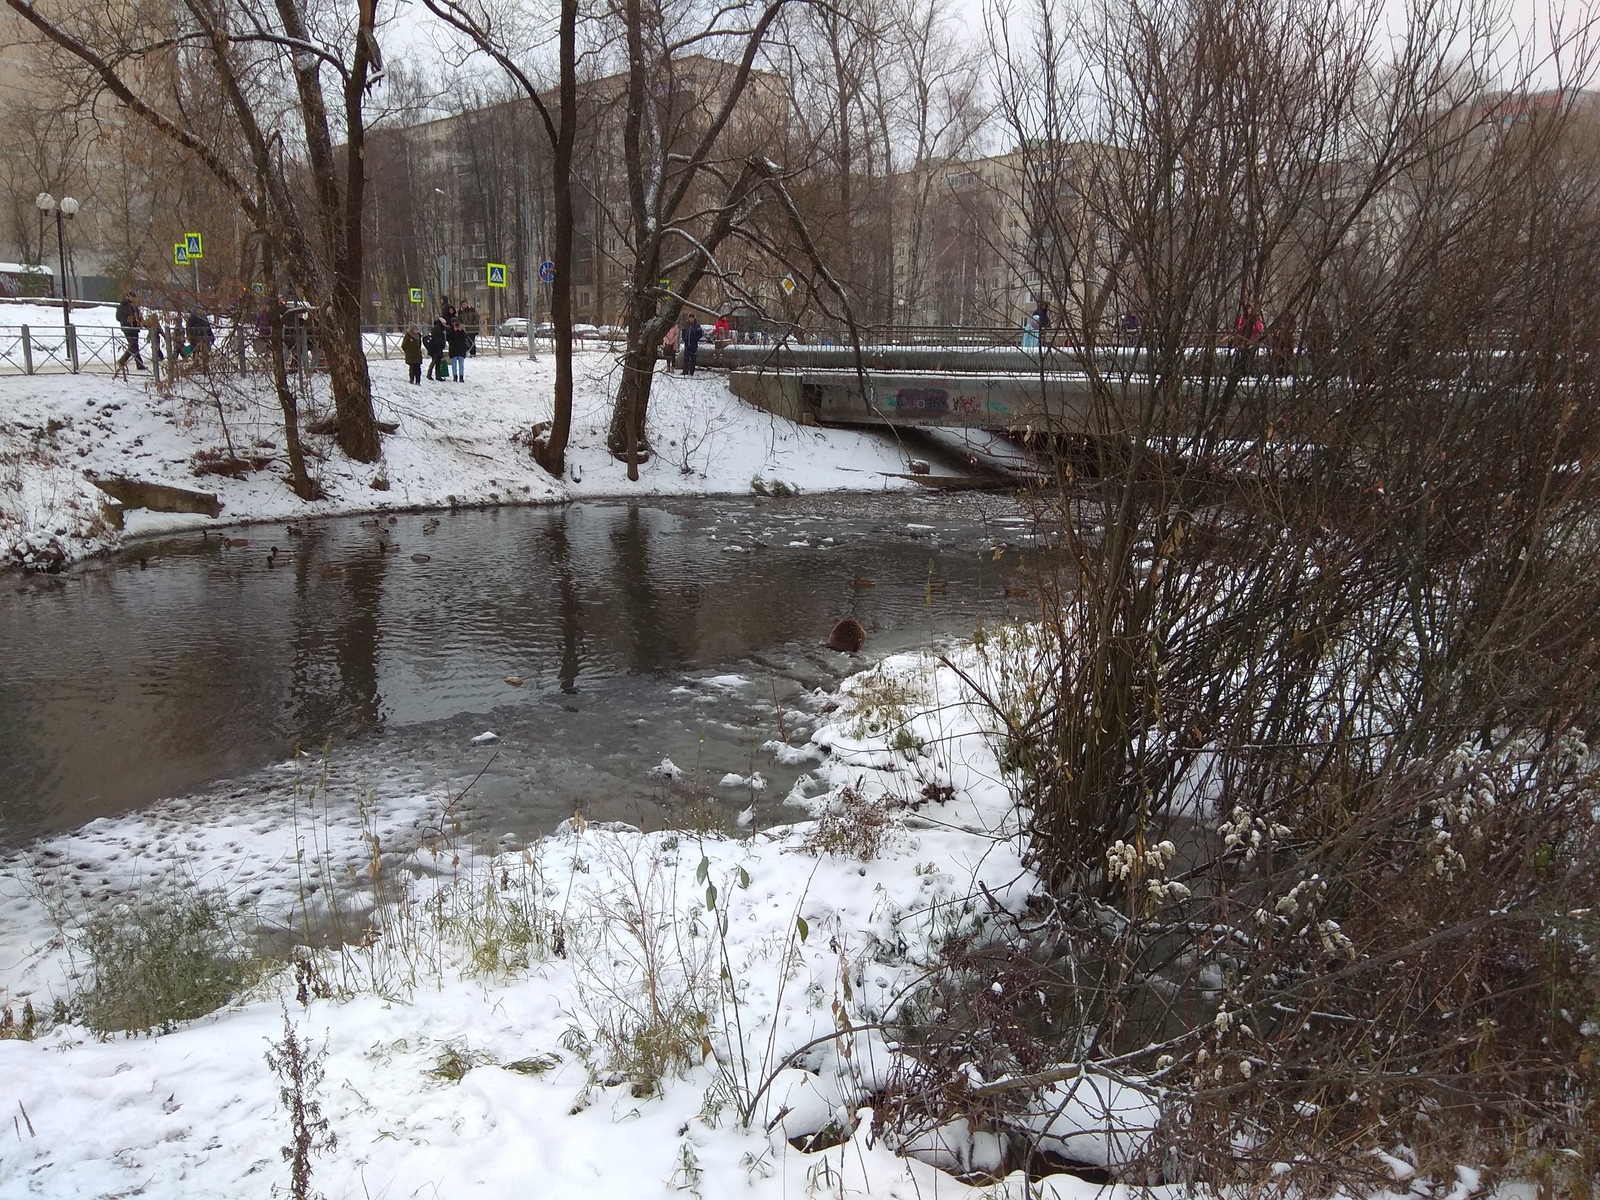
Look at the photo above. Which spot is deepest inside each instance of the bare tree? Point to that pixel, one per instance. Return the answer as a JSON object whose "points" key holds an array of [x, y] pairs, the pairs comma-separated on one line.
{"points": [[500, 34], [232, 70], [681, 202], [1305, 731]]}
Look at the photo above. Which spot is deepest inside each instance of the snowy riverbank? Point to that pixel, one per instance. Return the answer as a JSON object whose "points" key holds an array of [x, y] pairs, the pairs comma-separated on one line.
{"points": [[455, 446], [494, 1028]]}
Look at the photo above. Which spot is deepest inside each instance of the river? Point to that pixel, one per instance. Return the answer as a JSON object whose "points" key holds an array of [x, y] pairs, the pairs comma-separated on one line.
{"points": [[692, 630]]}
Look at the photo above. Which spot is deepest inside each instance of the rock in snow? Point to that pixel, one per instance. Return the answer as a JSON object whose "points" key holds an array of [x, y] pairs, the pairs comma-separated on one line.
{"points": [[668, 770], [484, 738]]}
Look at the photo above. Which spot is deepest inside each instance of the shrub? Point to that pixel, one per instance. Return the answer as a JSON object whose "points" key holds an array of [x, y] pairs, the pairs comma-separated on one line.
{"points": [[170, 961]]}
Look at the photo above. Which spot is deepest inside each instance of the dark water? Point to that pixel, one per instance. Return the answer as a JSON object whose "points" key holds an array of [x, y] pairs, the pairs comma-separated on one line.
{"points": [[126, 683]]}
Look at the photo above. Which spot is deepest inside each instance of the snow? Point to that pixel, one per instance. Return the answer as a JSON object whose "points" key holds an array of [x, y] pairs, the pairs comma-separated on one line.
{"points": [[458, 444], [195, 1112], [793, 955], [1094, 1119]]}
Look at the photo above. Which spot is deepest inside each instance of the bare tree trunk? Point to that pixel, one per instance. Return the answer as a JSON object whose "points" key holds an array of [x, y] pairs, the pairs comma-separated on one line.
{"points": [[651, 312], [339, 218], [298, 477], [661, 173], [552, 454]]}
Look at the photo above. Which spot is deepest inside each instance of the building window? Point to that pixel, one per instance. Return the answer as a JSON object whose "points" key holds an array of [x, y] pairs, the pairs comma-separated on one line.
{"points": [[585, 299]]}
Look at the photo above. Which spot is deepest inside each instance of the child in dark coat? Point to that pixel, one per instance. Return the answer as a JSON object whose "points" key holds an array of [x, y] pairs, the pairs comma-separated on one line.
{"points": [[411, 351], [436, 345]]}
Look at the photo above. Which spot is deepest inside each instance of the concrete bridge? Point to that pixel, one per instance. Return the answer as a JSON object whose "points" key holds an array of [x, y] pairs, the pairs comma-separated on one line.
{"points": [[995, 401], [999, 388]]}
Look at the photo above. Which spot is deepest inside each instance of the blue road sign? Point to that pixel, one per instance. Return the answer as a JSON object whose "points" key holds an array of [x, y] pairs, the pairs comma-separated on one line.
{"points": [[547, 272]]}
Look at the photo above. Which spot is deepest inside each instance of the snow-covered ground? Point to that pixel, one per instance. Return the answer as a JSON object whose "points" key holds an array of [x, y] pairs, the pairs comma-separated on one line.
{"points": [[821, 929], [485, 1024], [456, 445]]}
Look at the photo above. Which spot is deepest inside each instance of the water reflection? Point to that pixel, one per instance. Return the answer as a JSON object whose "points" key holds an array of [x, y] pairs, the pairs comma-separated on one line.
{"points": [[127, 684]]}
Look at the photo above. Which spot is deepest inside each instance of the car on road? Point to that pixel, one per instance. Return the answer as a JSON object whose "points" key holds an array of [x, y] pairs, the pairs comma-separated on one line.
{"points": [[513, 327]]}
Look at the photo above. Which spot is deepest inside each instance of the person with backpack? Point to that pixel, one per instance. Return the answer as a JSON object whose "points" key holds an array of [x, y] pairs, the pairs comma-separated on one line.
{"points": [[458, 342], [411, 351], [128, 319], [693, 331]]}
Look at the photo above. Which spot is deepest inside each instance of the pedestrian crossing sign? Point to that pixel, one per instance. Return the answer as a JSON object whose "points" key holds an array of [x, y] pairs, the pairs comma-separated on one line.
{"points": [[180, 254], [259, 289], [416, 295], [194, 246], [497, 274]]}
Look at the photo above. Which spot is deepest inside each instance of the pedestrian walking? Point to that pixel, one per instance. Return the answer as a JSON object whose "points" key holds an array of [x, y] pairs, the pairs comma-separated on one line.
{"points": [[200, 337], [692, 333], [128, 318], [457, 342], [669, 345], [1036, 326], [1248, 328], [411, 351], [473, 324]]}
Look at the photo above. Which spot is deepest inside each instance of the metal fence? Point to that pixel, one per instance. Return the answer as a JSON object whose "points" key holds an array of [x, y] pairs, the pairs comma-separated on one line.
{"points": [[56, 349], [40, 349]]}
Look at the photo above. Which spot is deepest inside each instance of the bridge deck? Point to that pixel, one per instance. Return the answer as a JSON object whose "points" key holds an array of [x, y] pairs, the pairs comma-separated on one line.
{"points": [[1002, 401]]}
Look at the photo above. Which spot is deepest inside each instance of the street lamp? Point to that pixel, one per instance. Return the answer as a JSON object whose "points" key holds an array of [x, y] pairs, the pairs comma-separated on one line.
{"points": [[67, 207]]}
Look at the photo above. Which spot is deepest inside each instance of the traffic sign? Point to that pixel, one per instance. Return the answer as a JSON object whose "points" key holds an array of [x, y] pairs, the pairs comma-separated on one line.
{"points": [[180, 254], [666, 284], [547, 272], [260, 289], [416, 295], [196, 249], [497, 274], [788, 285]]}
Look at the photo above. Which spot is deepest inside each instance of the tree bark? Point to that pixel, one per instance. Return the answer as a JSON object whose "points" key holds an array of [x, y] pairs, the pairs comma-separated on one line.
{"points": [[299, 479]]}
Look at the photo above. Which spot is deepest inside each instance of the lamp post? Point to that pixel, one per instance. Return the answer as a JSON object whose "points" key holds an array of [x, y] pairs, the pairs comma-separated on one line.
{"points": [[67, 208]]}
